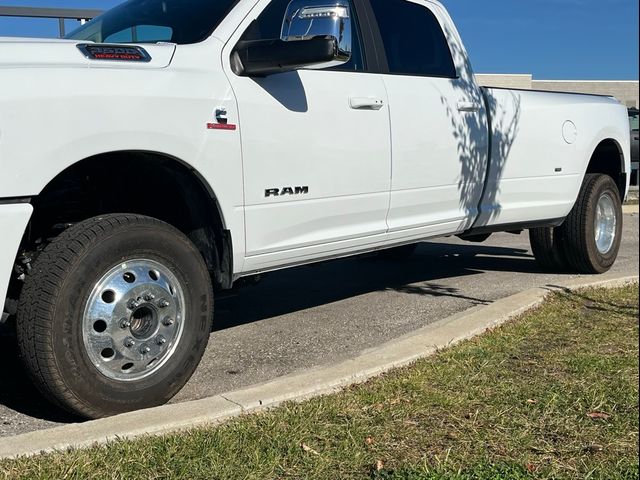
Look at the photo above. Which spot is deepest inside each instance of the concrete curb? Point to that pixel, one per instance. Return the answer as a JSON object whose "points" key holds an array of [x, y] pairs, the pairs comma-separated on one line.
{"points": [[313, 382], [630, 209]]}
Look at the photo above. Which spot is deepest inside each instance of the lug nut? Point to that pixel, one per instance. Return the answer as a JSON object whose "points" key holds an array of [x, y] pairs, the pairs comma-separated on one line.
{"points": [[149, 296], [124, 324], [161, 340], [129, 342], [168, 321], [145, 349], [163, 303], [133, 303]]}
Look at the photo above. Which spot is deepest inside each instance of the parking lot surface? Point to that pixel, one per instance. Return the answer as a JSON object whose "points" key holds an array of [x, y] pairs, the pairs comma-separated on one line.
{"points": [[314, 315]]}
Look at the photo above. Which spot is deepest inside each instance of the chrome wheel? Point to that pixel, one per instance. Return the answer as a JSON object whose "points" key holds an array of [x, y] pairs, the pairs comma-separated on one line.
{"points": [[133, 320], [605, 223]]}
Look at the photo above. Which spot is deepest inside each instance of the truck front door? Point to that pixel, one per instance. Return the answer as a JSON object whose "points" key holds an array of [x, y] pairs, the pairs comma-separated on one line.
{"points": [[316, 153]]}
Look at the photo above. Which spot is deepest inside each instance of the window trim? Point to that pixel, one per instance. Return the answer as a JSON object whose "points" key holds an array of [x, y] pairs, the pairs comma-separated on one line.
{"points": [[367, 36], [374, 38], [382, 56]]}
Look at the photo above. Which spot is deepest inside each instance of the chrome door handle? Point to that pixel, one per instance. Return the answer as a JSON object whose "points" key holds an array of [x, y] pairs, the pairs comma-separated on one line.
{"points": [[366, 103], [468, 107]]}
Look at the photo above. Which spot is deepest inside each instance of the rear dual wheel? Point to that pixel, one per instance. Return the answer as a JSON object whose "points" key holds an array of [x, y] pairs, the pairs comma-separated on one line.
{"points": [[589, 240], [548, 249], [115, 315]]}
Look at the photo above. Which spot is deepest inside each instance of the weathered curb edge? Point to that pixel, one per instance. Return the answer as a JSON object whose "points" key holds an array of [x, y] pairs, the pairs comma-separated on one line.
{"points": [[300, 386], [631, 209]]}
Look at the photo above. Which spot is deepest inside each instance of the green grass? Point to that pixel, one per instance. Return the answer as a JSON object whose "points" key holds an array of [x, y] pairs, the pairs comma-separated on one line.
{"points": [[553, 394]]}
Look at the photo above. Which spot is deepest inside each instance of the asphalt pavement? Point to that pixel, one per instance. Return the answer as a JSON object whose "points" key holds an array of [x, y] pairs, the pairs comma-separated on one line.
{"points": [[315, 315]]}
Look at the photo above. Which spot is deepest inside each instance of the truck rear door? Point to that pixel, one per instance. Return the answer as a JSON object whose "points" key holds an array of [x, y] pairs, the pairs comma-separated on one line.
{"points": [[438, 121]]}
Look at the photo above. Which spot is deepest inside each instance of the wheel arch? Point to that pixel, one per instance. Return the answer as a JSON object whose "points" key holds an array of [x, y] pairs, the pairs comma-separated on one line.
{"points": [[608, 158], [143, 182]]}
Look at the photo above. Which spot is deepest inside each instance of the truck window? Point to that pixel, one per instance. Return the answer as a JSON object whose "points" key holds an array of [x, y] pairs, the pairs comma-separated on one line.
{"points": [[141, 34], [152, 21], [413, 40], [269, 25]]}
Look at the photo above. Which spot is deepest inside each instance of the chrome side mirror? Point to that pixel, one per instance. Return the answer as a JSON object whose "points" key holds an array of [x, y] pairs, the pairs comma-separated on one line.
{"points": [[304, 20]]}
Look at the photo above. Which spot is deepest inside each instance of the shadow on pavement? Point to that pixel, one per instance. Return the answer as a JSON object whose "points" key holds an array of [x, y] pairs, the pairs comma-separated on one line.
{"points": [[301, 288], [16, 390]]}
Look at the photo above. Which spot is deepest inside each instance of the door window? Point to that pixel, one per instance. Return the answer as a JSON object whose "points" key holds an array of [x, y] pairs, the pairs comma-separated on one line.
{"points": [[633, 120], [413, 40], [269, 25]]}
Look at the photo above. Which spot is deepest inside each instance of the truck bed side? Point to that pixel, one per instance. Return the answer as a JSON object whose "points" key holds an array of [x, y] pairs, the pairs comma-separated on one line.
{"points": [[541, 145]]}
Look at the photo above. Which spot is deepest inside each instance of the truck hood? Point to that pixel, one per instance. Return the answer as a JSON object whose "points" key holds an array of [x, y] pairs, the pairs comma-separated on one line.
{"points": [[37, 52]]}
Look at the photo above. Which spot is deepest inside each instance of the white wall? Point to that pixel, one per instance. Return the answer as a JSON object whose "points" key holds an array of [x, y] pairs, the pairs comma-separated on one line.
{"points": [[625, 91]]}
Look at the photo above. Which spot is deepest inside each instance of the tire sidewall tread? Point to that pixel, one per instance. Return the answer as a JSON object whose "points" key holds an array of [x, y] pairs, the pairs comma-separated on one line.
{"points": [[49, 322], [579, 244]]}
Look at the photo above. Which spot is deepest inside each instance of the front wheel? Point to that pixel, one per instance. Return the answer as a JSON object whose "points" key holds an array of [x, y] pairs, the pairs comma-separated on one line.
{"points": [[593, 229], [115, 315]]}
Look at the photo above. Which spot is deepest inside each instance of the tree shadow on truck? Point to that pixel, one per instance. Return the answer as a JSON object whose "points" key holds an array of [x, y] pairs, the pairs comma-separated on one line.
{"points": [[495, 132]]}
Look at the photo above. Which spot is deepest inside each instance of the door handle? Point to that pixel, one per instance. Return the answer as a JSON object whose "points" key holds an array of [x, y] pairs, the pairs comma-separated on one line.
{"points": [[468, 107], [366, 103]]}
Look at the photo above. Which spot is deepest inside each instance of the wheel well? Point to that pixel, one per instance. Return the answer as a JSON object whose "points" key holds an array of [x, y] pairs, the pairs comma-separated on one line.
{"points": [[144, 183], [608, 159]]}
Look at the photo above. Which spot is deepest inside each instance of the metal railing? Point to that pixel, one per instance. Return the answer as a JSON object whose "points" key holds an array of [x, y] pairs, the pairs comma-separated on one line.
{"points": [[61, 14]]}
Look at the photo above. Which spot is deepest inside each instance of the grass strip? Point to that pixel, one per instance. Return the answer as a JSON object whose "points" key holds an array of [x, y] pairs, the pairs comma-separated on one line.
{"points": [[552, 394]]}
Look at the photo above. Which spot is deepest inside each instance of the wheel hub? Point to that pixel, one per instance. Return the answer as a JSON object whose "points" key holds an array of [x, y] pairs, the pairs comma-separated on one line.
{"points": [[144, 319], [605, 224], [133, 319]]}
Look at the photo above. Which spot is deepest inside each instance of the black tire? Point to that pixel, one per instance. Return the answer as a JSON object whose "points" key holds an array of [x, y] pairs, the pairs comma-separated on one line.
{"points": [[398, 253], [52, 311], [579, 230], [547, 247]]}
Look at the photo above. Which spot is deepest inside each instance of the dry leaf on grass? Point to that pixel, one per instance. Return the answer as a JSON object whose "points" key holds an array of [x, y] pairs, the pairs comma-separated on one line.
{"points": [[598, 415], [593, 448], [308, 449], [379, 465]]}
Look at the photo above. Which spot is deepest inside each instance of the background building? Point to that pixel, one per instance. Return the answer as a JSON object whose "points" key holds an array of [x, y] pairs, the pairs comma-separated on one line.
{"points": [[625, 91]]}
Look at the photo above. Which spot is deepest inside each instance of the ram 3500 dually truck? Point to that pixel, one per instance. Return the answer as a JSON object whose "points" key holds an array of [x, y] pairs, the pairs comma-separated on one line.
{"points": [[169, 148]]}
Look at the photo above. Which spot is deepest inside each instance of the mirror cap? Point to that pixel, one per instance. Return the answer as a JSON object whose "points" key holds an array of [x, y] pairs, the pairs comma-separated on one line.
{"points": [[266, 57], [304, 20]]}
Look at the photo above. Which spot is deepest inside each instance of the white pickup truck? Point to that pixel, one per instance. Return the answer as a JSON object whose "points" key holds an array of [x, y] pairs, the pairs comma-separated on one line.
{"points": [[169, 148]]}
